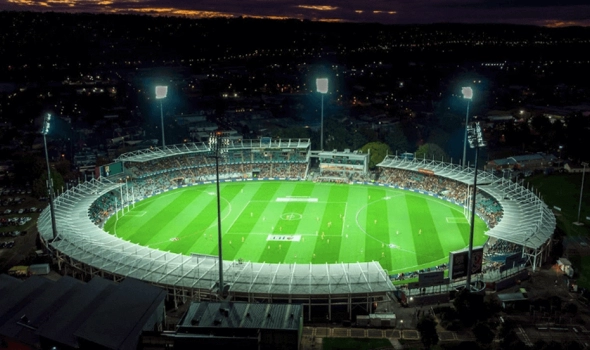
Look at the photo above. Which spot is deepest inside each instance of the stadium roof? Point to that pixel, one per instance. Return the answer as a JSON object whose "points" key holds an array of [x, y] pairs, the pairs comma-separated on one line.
{"points": [[207, 315], [79, 238], [449, 170], [153, 153], [526, 220]]}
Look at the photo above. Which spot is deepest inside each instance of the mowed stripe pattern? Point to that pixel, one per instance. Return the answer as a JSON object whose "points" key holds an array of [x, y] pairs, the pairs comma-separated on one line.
{"points": [[312, 222]]}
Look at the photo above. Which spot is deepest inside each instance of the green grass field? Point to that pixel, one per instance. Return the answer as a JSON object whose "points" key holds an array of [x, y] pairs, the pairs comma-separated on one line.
{"points": [[302, 222]]}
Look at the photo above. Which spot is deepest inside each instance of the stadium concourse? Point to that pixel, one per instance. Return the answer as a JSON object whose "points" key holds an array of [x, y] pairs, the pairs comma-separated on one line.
{"points": [[517, 218]]}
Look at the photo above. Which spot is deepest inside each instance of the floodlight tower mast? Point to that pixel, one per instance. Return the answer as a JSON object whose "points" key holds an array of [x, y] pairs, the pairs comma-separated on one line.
{"points": [[322, 88], [475, 137], [45, 131], [161, 92], [468, 95], [218, 146], [584, 164]]}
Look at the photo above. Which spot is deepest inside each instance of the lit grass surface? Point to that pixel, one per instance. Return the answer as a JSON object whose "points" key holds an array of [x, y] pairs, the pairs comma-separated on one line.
{"points": [[313, 222]]}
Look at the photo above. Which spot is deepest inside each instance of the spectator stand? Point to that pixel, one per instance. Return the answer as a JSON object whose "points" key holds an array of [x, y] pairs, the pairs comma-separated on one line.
{"points": [[342, 166], [524, 219]]}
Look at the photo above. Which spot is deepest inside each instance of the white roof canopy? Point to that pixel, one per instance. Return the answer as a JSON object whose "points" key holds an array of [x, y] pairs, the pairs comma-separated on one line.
{"points": [[82, 240], [526, 219]]}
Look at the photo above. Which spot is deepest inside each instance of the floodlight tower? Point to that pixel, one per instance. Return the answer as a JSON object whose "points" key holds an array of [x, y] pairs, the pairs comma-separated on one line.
{"points": [[45, 131], [468, 95], [581, 192], [161, 92], [475, 138], [322, 88], [218, 146]]}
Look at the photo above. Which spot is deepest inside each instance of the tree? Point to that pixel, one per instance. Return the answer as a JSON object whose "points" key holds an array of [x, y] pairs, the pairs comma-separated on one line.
{"points": [[378, 152], [336, 136], [397, 140], [39, 187], [64, 167], [294, 133], [571, 309], [427, 328], [483, 332], [470, 306], [431, 150], [508, 338]]}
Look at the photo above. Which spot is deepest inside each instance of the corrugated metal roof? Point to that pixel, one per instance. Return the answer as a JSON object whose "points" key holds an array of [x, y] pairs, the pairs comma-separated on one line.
{"points": [[75, 310], [118, 321], [206, 315]]}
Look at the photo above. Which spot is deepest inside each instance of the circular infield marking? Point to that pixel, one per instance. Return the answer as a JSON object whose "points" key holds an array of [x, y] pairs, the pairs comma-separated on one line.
{"points": [[291, 216]]}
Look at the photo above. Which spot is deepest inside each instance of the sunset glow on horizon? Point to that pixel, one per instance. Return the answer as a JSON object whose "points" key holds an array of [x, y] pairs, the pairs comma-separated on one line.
{"points": [[542, 13]]}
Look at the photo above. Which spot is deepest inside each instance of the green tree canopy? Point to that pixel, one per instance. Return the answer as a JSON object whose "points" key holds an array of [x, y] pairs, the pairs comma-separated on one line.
{"points": [[427, 328], [396, 139], [378, 152], [430, 151], [39, 187], [483, 332]]}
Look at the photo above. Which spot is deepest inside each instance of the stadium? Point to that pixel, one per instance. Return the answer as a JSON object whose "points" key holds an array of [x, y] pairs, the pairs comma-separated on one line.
{"points": [[290, 242]]}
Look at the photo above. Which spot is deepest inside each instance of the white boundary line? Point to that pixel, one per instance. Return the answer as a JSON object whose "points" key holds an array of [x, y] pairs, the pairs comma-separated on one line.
{"points": [[238, 216]]}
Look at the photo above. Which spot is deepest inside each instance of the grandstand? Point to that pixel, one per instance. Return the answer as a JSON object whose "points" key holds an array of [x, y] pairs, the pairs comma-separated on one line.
{"points": [[342, 166], [525, 221], [513, 213]]}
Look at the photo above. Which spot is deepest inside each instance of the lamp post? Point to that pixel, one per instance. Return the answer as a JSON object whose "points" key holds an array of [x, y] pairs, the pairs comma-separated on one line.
{"points": [[45, 131], [476, 141], [322, 88], [218, 146], [581, 192], [161, 92], [468, 95]]}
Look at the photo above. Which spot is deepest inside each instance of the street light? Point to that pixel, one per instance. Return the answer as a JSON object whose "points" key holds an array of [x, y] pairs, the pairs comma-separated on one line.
{"points": [[161, 92], [475, 138], [581, 192], [322, 88], [45, 131], [218, 146], [468, 95]]}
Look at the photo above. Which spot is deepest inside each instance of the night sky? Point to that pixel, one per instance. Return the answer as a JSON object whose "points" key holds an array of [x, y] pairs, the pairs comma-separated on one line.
{"points": [[551, 13]]}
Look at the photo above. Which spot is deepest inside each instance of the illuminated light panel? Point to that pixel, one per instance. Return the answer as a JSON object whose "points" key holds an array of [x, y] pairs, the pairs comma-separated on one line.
{"points": [[161, 92], [322, 85], [467, 93]]}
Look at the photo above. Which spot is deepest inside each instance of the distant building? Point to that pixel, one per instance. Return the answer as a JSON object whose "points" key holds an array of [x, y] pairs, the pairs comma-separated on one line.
{"points": [[575, 168], [523, 162]]}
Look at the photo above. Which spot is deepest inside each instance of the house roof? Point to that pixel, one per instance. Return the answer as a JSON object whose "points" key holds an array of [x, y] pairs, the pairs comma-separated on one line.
{"points": [[68, 311], [118, 321]]}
